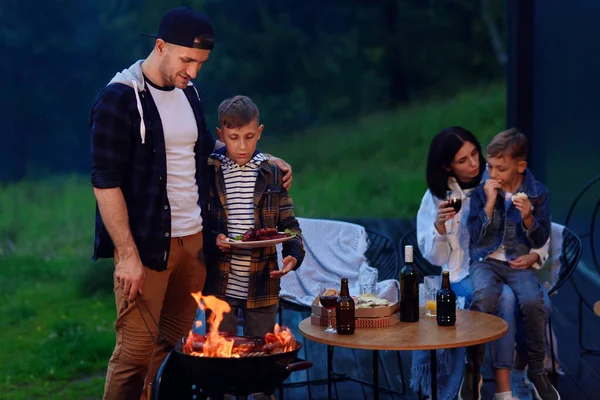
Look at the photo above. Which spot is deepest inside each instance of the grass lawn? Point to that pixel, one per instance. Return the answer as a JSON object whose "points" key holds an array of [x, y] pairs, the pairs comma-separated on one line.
{"points": [[57, 306]]}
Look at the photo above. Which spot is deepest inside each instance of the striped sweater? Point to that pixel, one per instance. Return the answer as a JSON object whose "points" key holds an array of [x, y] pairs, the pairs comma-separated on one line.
{"points": [[271, 207]]}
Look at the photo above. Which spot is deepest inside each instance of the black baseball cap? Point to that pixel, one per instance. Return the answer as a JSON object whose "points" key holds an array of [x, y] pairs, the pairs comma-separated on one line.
{"points": [[182, 25]]}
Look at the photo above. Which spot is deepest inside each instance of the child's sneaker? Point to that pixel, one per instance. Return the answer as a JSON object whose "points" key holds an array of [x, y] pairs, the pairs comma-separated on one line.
{"points": [[542, 388], [505, 396], [466, 386], [521, 387]]}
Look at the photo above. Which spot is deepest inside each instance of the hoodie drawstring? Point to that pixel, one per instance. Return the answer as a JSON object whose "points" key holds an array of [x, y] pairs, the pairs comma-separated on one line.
{"points": [[140, 110]]}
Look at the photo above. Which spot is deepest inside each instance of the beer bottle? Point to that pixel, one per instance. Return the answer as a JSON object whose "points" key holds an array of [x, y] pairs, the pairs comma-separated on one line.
{"points": [[409, 289], [344, 311], [446, 302]]}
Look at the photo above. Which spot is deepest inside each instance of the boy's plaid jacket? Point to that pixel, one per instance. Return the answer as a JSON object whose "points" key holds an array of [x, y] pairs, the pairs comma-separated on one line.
{"points": [[273, 208]]}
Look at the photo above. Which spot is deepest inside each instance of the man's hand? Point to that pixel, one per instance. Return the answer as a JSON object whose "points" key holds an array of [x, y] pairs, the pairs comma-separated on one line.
{"points": [[224, 247], [285, 168], [525, 261], [289, 263], [444, 213], [524, 206], [130, 274]]}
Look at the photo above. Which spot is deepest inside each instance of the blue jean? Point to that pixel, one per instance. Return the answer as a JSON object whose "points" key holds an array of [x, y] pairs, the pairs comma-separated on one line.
{"points": [[501, 350], [488, 279], [451, 361]]}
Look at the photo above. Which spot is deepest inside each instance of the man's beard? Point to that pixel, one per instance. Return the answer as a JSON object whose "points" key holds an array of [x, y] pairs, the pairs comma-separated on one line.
{"points": [[168, 80]]}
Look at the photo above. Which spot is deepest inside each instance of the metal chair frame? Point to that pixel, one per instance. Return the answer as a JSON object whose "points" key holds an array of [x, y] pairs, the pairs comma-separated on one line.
{"points": [[590, 236], [382, 254]]}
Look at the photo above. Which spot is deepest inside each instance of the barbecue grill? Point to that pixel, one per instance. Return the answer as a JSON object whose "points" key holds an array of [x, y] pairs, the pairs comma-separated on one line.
{"points": [[184, 376]]}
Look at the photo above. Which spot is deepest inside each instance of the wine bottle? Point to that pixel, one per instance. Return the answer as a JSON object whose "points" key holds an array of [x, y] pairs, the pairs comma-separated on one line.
{"points": [[446, 302], [344, 311], [409, 289]]}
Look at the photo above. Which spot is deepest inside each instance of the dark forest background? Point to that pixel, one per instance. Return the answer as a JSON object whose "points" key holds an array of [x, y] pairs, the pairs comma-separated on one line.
{"points": [[305, 63]]}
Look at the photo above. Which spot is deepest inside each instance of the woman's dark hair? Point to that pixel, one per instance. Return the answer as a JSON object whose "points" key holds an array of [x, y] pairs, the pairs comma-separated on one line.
{"points": [[444, 147]]}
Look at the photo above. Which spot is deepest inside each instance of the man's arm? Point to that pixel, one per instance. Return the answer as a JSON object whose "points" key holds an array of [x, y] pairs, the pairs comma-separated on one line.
{"points": [[116, 219], [129, 270], [111, 143]]}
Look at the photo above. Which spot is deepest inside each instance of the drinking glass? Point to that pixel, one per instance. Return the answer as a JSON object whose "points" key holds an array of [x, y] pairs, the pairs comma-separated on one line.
{"points": [[367, 281], [432, 283], [328, 297], [455, 202]]}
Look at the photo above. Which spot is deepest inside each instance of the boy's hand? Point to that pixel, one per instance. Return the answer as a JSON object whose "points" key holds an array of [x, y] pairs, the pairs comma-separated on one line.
{"points": [[224, 247], [289, 263], [525, 261], [285, 168], [491, 188], [444, 213], [524, 206]]}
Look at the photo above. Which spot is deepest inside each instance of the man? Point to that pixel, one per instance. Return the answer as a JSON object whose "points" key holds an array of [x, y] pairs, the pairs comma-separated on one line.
{"points": [[150, 147]]}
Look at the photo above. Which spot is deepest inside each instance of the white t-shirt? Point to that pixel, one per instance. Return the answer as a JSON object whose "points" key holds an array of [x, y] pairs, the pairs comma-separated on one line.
{"points": [[181, 133]]}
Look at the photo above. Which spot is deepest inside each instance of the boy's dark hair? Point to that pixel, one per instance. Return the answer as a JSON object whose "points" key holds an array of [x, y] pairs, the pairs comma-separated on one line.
{"points": [[444, 147], [237, 112], [509, 143]]}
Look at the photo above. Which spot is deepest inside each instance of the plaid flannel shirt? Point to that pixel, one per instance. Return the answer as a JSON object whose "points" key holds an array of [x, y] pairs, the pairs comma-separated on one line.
{"points": [[121, 159], [273, 208]]}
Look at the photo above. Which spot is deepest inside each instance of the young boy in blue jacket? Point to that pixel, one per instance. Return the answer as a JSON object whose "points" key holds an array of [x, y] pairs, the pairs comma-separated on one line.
{"points": [[509, 216]]}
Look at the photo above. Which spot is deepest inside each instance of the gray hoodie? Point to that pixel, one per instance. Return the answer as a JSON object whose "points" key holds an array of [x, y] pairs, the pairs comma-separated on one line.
{"points": [[134, 78]]}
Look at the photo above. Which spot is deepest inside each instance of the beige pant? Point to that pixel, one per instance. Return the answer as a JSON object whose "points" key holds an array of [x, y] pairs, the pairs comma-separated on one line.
{"points": [[137, 357]]}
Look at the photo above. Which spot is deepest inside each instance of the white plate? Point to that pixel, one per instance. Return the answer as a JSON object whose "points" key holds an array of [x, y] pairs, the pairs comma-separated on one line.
{"points": [[256, 243]]}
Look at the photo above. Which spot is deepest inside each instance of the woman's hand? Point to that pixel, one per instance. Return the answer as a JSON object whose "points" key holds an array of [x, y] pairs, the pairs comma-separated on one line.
{"points": [[289, 263], [224, 247], [444, 213], [525, 261]]}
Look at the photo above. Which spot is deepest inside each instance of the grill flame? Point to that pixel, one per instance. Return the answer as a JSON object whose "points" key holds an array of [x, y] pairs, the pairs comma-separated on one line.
{"points": [[213, 344]]}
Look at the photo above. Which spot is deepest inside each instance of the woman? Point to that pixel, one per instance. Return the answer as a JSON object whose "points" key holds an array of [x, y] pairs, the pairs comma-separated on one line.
{"points": [[456, 163]]}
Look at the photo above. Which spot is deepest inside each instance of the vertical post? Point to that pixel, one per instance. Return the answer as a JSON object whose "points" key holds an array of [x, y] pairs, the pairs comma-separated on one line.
{"points": [[520, 75]]}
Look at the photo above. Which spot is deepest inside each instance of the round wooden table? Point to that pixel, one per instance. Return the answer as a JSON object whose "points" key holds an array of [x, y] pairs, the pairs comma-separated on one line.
{"points": [[471, 328]]}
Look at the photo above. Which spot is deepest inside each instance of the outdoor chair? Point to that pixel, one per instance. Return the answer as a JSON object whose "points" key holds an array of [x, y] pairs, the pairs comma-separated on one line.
{"points": [[381, 253], [589, 237], [569, 258]]}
